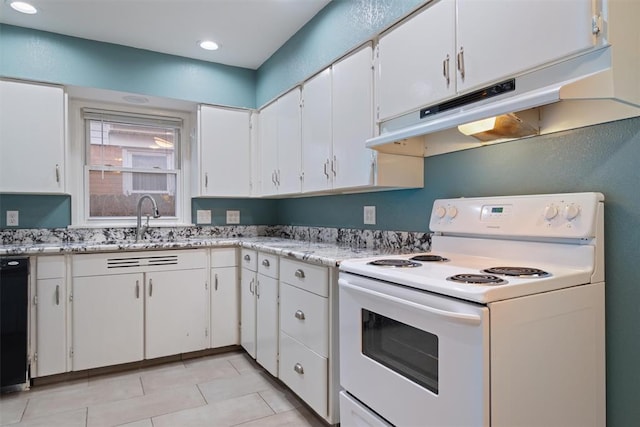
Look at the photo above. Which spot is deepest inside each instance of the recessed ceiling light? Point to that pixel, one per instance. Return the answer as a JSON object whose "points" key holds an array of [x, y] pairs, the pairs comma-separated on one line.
{"points": [[208, 45], [23, 6]]}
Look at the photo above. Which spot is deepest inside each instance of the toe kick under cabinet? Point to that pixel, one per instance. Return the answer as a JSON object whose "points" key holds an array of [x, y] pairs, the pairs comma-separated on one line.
{"points": [[308, 348], [132, 306]]}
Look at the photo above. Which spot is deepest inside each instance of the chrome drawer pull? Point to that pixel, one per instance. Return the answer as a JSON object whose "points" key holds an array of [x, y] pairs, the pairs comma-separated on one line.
{"points": [[247, 257], [216, 282], [299, 274], [298, 368], [299, 315], [265, 262]]}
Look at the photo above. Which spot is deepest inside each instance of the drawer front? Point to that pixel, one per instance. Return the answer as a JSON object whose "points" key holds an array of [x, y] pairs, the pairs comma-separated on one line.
{"points": [[353, 413], [268, 265], [313, 278], [304, 372], [249, 259], [305, 317], [224, 257], [50, 267]]}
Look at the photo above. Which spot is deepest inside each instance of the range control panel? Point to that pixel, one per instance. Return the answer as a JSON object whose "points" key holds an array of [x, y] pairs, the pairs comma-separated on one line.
{"points": [[569, 215]]}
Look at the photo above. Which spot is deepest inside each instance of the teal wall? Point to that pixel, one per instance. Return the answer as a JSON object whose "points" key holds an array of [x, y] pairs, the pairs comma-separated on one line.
{"points": [[41, 211], [599, 158], [54, 58]]}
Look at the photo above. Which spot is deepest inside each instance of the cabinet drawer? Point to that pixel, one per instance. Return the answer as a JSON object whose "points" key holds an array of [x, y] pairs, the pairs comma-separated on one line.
{"points": [[225, 257], [268, 265], [313, 278], [50, 267], [249, 259], [304, 372], [353, 413], [305, 317]]}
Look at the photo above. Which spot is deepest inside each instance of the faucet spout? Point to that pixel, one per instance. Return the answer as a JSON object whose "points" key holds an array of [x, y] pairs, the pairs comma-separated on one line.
{"points": [[155, 214]]}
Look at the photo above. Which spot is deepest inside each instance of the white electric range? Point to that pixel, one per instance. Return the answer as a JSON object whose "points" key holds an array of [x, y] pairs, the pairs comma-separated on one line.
{"points": [[501, 324]]}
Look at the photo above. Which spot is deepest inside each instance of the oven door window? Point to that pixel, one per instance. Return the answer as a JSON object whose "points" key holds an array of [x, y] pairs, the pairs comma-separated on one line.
{"points": [[409, 351]]}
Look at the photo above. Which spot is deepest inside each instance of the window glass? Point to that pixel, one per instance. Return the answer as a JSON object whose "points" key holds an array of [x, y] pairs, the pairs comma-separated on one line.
{"points": [[128, 157]]}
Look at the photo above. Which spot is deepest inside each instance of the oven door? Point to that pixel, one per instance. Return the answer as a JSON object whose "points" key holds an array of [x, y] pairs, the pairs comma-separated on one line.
{"points": [[413, 357]]}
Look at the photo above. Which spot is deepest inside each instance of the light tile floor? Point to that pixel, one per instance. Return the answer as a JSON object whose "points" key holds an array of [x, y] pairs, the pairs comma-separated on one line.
{"points": [[226, 389]]}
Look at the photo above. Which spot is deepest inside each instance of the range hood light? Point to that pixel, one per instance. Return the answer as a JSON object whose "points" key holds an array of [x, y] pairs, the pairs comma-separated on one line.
{"points": [[500, 127]]}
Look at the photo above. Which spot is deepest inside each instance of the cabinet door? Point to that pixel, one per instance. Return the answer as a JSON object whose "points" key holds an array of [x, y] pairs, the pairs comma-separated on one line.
{"points": [[267, 324], [51, 327], [289, 143], [225, 162], [316, 133], [176, 312], [268, 148], [414, 60], [32, 123], [108, 321], [248, 311], [225, 307], [353, 119], [500, 40]]}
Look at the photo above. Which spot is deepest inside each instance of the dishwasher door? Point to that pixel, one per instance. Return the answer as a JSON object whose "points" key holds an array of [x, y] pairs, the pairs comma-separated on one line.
{"points": [[14, 294]]}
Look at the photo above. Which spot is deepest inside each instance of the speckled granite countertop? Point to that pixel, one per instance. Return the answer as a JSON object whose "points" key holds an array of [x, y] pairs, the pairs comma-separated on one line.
{"points": [[327, 254]]}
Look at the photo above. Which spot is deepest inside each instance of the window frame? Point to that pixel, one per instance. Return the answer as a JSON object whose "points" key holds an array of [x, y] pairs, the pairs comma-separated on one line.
{"points": [[78, 168]]}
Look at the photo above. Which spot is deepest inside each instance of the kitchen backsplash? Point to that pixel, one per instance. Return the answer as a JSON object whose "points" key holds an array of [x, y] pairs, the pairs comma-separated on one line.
{"points": [[374, 239]]}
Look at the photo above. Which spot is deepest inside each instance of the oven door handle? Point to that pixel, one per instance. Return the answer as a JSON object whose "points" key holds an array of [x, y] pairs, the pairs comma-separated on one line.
{"points": [[470, 319]]}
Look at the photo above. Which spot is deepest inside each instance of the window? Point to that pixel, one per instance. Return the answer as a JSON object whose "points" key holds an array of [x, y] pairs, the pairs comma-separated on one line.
{"points": [[128, 155]]}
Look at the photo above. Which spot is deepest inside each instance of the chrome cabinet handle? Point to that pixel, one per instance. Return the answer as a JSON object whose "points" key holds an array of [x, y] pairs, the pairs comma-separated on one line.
{"points": [[150, 287], [137, 289], [57, 294], [251, 287], [265, 262], [461, 62], [247, 257], [215, 283], [298, 368], [257, 288], [334, 165], [206, 180], [299, 314], [57, 173], [299, 274], [445, 70], [273, 177], [326, 173]]}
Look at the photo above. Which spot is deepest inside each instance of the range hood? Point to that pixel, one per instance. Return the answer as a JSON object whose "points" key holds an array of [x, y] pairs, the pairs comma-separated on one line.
{"points": [[583, 90]]}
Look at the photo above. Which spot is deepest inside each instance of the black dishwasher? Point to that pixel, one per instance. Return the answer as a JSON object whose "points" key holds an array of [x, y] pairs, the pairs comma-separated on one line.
{"points": [[14, 295]]}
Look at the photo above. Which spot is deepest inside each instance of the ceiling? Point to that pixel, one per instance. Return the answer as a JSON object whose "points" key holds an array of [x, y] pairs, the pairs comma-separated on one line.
{"points": [[248, 31]]}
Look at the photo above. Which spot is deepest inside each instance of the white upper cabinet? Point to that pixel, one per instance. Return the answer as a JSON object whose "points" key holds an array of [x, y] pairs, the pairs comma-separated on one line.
{"points": [[337, 119], [454, 46], [279, 129], [32, 138], [225, 152]]}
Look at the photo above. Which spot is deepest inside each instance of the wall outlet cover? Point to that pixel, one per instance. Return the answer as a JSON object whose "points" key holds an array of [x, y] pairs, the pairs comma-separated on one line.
{"points": [[233, 217], [12, 218], [369, 215], [203, 216]]}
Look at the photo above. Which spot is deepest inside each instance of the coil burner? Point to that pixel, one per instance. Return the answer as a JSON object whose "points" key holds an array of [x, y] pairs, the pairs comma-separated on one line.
{"points": [[517, 271], [477, 279], [396, 263], [429, 258]]}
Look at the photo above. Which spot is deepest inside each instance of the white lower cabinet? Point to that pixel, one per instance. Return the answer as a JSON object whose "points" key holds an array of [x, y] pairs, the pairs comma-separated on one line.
{"points": [[157, 308], [50, 301], [248, 279], [225, 298]]}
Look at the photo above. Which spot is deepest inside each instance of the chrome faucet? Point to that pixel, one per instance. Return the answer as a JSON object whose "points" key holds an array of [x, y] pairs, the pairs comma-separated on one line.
{"points": [[156, 214]]}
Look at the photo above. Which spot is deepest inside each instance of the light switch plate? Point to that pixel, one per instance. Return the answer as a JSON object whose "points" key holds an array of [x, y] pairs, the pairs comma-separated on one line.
{"points": [[203, 216], [369, 215], [233, 217], [12, 218]]}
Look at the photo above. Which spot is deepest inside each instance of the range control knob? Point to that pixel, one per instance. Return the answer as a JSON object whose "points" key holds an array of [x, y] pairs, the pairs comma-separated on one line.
{"points": [[571, 211], [452, 211], [550, 212], [440, 211]]}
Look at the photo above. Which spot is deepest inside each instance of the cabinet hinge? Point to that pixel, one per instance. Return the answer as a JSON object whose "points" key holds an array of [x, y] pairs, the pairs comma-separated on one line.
{"points": [[35, 356], [596, 24], [71, 297], [35, 300], [206, 332], [71, 352], [206, 286]]}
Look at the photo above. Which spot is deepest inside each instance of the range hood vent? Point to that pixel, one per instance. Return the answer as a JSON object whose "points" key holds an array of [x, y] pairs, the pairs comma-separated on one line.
{"points": [[580, 91]]}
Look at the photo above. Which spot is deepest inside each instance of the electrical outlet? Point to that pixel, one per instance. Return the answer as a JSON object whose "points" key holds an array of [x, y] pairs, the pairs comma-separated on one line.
{"points": [[233, 217], [369, 215], [12, 219], [203, 216]]}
